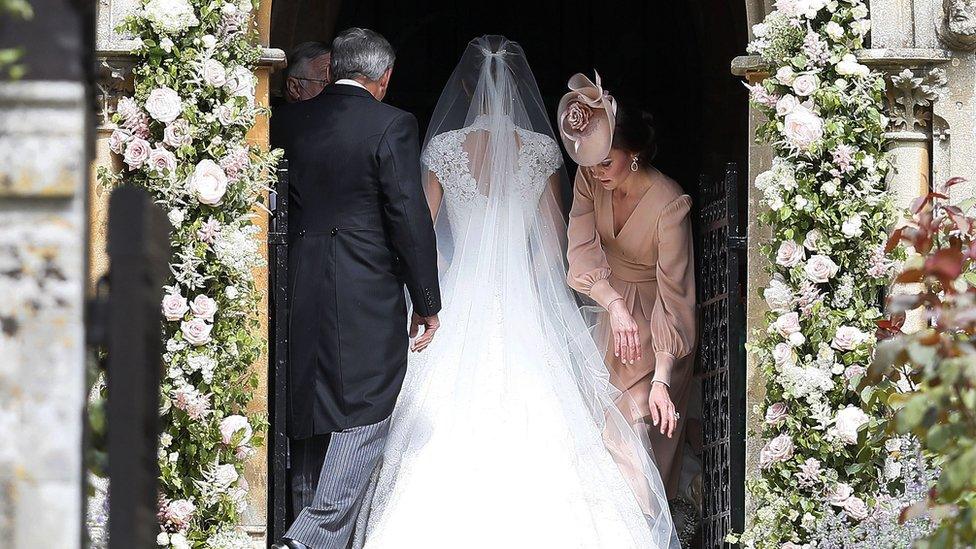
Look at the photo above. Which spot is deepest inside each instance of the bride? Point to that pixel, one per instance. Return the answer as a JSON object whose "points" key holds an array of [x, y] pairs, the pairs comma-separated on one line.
{"points": [[506, 432]]}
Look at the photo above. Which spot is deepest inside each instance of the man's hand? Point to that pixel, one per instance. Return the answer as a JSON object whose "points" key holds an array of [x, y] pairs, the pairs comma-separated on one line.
{"points": [[430, 324]]}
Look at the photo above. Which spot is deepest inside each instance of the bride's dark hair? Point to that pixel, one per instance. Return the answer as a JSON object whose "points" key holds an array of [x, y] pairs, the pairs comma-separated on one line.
{"points": [[635, 133]]}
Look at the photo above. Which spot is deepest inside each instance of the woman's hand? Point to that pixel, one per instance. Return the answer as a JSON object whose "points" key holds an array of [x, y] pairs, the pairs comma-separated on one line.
{"points": [[626, 337], [662, 409]]}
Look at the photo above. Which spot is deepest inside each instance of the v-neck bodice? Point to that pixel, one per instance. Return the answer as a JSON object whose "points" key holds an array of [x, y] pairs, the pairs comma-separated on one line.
{"points": [[615, 233]]}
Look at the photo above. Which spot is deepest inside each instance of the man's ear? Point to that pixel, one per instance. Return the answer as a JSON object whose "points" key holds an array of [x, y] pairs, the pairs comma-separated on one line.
{"points": [[293, 90]]}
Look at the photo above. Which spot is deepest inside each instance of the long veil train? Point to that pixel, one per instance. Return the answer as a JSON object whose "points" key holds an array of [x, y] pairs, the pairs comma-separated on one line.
{"points": [[507, 431]]}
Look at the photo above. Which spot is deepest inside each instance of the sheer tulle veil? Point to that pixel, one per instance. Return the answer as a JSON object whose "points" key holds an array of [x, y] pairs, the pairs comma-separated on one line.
{"points": [[492, 104]]}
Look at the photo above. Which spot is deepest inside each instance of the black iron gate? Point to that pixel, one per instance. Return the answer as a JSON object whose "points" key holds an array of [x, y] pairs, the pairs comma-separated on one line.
{"points": [[720, 249], [278, 353]]}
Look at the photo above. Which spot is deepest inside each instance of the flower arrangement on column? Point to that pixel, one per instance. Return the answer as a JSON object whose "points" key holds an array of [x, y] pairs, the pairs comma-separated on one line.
{"points": [[181, 136], [827, 470]]}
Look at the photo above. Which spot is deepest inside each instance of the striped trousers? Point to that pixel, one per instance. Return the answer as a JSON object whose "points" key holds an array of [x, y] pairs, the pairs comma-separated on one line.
{"points": [[328, 490]]}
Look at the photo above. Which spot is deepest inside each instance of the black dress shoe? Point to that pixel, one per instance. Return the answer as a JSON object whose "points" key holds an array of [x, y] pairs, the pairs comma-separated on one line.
{"points": [[289, 544]]}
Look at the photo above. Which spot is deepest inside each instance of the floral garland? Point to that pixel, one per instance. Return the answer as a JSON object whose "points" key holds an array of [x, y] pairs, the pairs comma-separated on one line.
{"points": [[182, 137], [826, 456]]}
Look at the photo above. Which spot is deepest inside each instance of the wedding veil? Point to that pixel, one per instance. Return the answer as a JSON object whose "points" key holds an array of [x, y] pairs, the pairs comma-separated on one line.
{"points": [[505, 232]]}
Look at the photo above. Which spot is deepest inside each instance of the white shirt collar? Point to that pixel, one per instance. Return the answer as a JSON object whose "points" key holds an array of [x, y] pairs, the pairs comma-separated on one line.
{"points": [[350, 82]]}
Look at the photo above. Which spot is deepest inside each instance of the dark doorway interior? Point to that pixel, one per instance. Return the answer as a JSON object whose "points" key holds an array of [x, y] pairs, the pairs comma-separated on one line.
{"points": [[668, 57]]}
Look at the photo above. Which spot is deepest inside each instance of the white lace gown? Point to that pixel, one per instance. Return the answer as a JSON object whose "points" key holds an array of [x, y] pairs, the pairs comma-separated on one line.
{"points": [[491, 444]]}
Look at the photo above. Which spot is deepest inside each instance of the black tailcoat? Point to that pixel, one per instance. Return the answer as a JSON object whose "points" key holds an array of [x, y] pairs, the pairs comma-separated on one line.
{"points": [[360, 230]]}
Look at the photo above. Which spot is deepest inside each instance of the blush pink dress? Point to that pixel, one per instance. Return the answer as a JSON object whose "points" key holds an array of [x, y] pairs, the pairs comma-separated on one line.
{"points": [[650, 264]]}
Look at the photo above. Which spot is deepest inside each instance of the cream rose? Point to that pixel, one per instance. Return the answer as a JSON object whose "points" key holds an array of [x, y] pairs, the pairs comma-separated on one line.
{"points": [[848, 338], [208, 182], [164, 104], [834, 30], [785, 75], [789, 254], [811, 239], [820, 269], [786, 104], [856, 508], [136, 153], [203, 307], [805, 84], [196, 332], [225, 475], [177, 134], [176, 217], [839, 494], [784, 355], [848, 66], [213, 73], [802, 127], [778, 296], [847, 422], [174, 307], [776, 450]]}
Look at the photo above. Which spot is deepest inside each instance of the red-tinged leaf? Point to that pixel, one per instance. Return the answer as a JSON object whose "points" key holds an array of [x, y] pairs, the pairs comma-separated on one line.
{"points": [[946, 265], [913, 511], [894, 240], [911, 275], [954, 181]]}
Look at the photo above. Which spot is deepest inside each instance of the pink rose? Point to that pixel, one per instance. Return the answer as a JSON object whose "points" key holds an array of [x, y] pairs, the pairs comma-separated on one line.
{"points": [[803, 127], [174, 307], [213, 73], [820, 269], [789, 254], [856, 508], [787, 324], [177, 134], [805, 84], [776, 413], [208, 182], [786, 104], [175, 516], [840, 494], [196, 332], [854, 371], [136, 153], [848, 338], [117, 141], [203, 307], [776, 450], [230, 426], [162, 162]]}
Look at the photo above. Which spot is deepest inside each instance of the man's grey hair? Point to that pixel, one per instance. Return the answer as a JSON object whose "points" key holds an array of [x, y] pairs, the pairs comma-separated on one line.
{"points": [[362, 53], [300, 57]]}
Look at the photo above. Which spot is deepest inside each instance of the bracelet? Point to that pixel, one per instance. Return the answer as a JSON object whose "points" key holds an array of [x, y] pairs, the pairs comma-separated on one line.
{"points": [[653, 381], [614, 301]]}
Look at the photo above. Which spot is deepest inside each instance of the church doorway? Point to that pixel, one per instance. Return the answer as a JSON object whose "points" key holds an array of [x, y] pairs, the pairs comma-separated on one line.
{"points": [[669, 58]]}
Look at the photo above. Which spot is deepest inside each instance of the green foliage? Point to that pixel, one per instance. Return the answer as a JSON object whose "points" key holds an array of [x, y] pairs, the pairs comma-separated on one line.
{"points": [[10, 57]]}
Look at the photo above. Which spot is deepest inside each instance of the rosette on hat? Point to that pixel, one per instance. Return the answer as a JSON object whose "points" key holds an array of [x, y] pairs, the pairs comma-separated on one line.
{"points": [[587, 116]]}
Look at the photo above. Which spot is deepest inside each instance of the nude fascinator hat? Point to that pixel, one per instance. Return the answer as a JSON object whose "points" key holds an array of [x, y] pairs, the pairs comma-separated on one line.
{"points": [[587, 116]]}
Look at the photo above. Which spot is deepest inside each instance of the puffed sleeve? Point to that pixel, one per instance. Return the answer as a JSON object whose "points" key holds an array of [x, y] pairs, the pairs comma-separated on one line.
{"points": [[673, 318], [588, 268]]}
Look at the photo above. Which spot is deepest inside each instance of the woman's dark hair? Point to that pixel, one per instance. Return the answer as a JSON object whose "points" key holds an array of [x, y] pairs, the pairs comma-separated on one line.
{"points": [[635, 132]]}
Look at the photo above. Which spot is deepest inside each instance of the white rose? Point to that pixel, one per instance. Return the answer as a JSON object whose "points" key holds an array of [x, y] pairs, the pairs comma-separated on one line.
{"points": [[811, 239], [852, 227], [213, 73], [796, 339], [164, 104], [784, 355], [225, 475], [162, 539], [786, 104], [231, 292], [203, 307], [820, 269], [230, 426], [209, 41], [196, 331], [847, 422], [861, 27], [208, 182], [776, 413], [848, 66], [776, 450], [170, 16], [787, 324], [892, 469], [225, 114], [785, 75], [162, 162], [856, 508], [240, 82], [789, 254], [893, 445], [802, 127], [166, 44], [136, 153], [834, 30], [859, 11], [847, 338], [839, 494], [805, 84], [179, 541], [176, 217], [830, 188], [778, 296], [800, 202], [177, 134]]}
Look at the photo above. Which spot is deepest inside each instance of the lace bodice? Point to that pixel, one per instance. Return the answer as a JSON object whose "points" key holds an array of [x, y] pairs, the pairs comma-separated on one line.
{"points": [[538, 158]]}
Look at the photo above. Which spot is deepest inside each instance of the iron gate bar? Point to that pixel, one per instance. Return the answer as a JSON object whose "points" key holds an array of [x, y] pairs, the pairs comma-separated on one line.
{"points": [[719, 248], [278, 353]]}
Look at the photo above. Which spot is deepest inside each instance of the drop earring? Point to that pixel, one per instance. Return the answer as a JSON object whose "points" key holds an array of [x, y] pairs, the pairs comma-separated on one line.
{"points": [[633, 164]]}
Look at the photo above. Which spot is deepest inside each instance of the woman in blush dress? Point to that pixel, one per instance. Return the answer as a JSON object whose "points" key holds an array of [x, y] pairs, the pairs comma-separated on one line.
{"points": [[630, 251]]}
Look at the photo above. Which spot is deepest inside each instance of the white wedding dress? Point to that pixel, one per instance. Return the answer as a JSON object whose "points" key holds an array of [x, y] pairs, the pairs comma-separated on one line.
{"points": [[503, 431]]}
